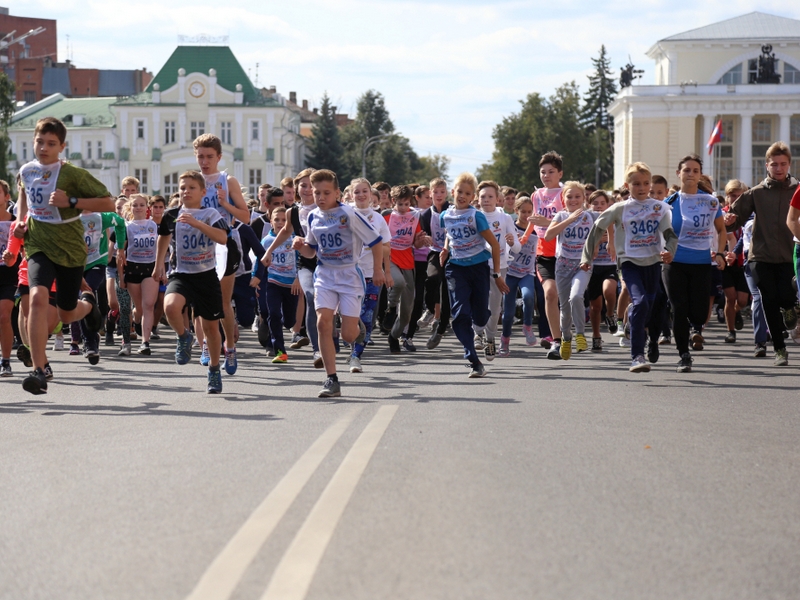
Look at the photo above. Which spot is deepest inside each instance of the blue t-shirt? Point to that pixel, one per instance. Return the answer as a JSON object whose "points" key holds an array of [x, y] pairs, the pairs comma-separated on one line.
{"points": [[693, 217]]}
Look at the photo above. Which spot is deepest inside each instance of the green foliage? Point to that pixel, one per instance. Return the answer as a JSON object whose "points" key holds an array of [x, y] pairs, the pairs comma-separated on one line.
{"points": [[7, 109], [595, 118], [325, 146]]}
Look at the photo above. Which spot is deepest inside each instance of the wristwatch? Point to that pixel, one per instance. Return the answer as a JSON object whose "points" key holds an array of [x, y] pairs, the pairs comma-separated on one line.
{"points": [[495, 275], [73, 202]]}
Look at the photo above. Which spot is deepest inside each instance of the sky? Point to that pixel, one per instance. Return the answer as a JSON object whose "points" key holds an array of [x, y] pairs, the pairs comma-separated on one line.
{"points": [[449, 70]]}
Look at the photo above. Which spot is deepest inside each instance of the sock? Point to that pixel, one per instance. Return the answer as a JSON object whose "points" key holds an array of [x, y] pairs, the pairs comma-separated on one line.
{"points": [[333, 377], [213, 368], [557, 340]]}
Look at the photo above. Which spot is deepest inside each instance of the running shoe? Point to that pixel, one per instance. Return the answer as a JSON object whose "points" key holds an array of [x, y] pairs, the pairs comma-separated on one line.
{"points": [[394, 344], [720, 314], [330, 389], [738, 321], [205, 356], [183, 348], [144, 349], [124, 349], [580, 343], [477, 370], [479, 342], [685, 363], [74, 350], [214, 381], [627, 331], [624, 342], [664, 339], [58, 342], [697, 340], [231, 362], [639, 365], [789, 317], [795, 334], [489, 349], [355, 364], [620, 329], [781, 358], [24, 356], [109, 341], [434, 340], [611, 323], [435, 324], [318, 362], [409, 345], [154, 335], [254, 326], [730, 338], [426, 319], [280, 357], [388, 321], [298, 341], [555, 352], [546, 342], [566, 349], [5, 368], [653, 351], [530, 337], [505, 350], [597, 344], [48, 372], [760, 351], [35, 383], [94, 320], [91, 349]]}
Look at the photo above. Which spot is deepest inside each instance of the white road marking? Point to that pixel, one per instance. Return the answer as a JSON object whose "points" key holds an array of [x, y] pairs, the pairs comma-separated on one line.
{"points": [[296, 570], [223, 575]]}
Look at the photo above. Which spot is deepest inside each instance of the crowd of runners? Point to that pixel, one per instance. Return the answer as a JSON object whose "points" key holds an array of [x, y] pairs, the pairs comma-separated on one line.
{"points": [[307, 263]]}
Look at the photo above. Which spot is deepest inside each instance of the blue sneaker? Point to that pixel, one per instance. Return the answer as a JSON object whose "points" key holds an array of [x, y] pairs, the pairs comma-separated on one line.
{"points": [[214, 381], [183, 349], [231, 364], [205, 357]]}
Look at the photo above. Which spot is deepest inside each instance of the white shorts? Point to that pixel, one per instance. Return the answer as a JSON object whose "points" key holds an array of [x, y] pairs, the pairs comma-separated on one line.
{"points": [[339, 288]]}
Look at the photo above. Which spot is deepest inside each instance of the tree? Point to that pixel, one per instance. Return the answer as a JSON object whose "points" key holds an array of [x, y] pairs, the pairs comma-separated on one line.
{"points": [[540, 126], [325, 146], [595, 118], [7, 109]]}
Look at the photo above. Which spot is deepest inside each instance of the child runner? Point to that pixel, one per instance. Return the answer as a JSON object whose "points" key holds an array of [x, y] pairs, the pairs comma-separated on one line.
{"points": [[8, 283], [547, 202], [734, 284], [605, 279], [362, 197], [437, 298], [142, 235], [223, 194], [52, 198], [504, 231], [520, 275], [571, 229], [193, 232], [423, 201], [643, 226], [467, 271], [158, 205], [336, 235]]}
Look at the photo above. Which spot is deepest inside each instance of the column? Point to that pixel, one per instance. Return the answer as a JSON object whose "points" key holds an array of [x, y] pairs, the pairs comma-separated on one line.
{"points": [[784, 128], [746, 149], [709, 121]]}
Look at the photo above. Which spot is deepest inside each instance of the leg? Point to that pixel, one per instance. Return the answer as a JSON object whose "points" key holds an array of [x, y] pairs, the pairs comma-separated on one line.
{"points": [[149, 294], [641, 291], [213, 340], [458, 284], [495, 302], [275, 307], [420, 278], [367, 310], [576, 293], [676, 282], [406, 305], [326, 345], [563, 282], [759, 320], [6, 330], [510, 305], [307, 283], [551, 307], [229, 318]]}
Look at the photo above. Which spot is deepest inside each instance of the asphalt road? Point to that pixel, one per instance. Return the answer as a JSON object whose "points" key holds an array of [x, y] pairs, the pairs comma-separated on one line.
{"points": [[544, 480]]}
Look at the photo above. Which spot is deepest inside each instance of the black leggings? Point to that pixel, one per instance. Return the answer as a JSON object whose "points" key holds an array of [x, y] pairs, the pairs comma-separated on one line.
{"points": [[687, 289], [774, 281], [436, 291]]}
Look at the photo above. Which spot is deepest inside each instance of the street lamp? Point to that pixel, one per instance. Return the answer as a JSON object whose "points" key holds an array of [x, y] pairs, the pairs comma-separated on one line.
{"points": [[368, 143]]}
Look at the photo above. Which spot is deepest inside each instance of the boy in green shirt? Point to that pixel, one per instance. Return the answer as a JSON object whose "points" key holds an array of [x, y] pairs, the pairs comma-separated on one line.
{"points": [[52, 197]]}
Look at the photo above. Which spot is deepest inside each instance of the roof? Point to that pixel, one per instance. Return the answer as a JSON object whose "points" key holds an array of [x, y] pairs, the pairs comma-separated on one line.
{"points": [[55, 80], [96, 112], [116, 83], [754, 25], [199, 59]]}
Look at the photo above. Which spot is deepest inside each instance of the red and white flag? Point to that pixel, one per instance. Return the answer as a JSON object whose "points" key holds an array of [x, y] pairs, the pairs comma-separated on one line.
{"points": [[716, 137]]}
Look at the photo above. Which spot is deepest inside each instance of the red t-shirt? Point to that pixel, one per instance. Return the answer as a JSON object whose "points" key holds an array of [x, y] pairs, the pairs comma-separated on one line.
{"points": [[796, 198]]}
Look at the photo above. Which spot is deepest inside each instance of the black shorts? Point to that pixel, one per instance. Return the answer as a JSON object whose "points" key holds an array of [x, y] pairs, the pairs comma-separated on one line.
{"points": [[599, 274], [201, 290], [234, 257], [733, 277], [24, 290], [138, 272], [7, 291], [716, 282], [42, 272], [546, 267]]}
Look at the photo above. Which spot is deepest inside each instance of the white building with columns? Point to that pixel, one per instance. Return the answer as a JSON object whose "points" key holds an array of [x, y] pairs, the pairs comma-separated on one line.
{"points": [[703, 76], [200, 89]]}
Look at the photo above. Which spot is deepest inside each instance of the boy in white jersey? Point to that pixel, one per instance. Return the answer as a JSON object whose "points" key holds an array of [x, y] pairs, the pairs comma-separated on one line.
{"points": [[643, 239], [223, 193], [336, 235], [503, 229], [52, 196], [467, 270], [193, 232]]}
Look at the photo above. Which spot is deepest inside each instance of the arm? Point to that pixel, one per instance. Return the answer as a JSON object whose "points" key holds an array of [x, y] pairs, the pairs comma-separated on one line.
{"points": [[162, 245], [607, 218], [378, 276], [303, 248], [722, 242], [793, 221], [60, 199], [742, 208], [492, 241], [235, 205], [512, 239], [555, 228], [219, 236], [22, 214], [283, 235]]}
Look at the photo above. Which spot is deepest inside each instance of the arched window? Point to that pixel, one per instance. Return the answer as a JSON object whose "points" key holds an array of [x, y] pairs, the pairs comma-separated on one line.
{"points": [[734, 76], [790, 74]]}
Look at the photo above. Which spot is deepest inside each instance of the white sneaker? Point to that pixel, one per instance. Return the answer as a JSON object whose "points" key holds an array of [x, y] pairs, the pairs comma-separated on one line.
{"points": [[125, 350], [318, 363], [355, 364], [256, 321], [425, 319], [58, 343], [478, 342], [795, 334], [624, 342]]}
